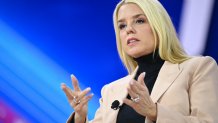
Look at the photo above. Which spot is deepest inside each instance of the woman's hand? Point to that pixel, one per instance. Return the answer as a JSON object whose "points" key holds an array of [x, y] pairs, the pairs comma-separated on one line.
{"points": [[140, 98], [78, 99]]}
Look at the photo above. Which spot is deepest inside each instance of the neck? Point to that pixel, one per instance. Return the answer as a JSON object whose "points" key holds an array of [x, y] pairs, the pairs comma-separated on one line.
{"points": [[149, 63]]}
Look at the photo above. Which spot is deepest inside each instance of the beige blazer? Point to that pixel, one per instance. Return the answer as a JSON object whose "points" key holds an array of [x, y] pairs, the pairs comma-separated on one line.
{"points": [[184, 93]]}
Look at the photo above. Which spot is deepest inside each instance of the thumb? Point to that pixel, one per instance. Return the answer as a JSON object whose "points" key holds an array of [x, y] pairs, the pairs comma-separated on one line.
{"points": [[141, 78]]}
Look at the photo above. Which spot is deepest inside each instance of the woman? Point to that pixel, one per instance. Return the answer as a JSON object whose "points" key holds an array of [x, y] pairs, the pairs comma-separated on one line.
{"points": [[164, 84]]}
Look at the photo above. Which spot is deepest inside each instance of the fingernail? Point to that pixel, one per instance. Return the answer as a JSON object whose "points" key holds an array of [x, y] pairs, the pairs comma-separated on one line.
{"points": [[62, 84], [88, 89], [71, 75], [91, 95], [143, 74]]}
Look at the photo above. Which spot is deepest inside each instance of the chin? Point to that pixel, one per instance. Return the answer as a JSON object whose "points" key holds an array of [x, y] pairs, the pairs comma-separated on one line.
{"points": [[134, 55], [137, 54]]}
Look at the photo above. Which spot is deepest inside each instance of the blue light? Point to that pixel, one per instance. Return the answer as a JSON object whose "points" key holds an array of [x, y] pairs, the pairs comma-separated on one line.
{"points": [[32, 80]]}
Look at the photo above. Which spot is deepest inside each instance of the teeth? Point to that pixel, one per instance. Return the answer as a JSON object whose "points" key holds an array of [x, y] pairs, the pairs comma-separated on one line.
{"points": [[131, 41]]}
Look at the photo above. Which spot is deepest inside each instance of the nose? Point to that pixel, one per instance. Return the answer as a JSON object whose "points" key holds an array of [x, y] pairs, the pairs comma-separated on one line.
{"points": [[130, 29]]}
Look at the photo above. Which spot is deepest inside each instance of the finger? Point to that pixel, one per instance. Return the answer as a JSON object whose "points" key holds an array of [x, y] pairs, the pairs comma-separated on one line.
{"points": [[86, 99], [132, 93], [68, 92], [141, 81], [73, 104], [137, 85], [141, 78], [129, 103], [133, 86], [80, 97], [75, 83], [83, 102], [84, 93]]}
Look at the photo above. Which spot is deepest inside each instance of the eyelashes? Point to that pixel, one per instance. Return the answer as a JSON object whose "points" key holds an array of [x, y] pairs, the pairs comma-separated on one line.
{"points": [[123, 25], [140, 21]]}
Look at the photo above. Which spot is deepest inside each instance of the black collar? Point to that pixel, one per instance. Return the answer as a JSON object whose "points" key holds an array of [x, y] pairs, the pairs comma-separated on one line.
{"points": [[149, 63]]}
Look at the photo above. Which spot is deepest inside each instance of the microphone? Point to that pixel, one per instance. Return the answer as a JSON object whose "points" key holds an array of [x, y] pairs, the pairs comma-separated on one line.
{"points": [[115, 105]]}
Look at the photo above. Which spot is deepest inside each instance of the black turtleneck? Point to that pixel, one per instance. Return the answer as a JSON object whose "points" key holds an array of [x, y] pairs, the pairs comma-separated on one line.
{"points": [[151, 64]]}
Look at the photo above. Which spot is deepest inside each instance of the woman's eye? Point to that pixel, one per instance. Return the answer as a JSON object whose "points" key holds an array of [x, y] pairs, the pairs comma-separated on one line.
{"points": [[122, 26], [140, 21]]}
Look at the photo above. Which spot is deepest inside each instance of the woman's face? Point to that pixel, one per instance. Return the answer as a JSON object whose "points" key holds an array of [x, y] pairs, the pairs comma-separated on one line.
{"points": [[135, 32]]}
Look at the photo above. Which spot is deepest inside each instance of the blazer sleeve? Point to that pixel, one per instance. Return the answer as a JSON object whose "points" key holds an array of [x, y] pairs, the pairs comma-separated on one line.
{"points": [[98, 115], [203, 96]]}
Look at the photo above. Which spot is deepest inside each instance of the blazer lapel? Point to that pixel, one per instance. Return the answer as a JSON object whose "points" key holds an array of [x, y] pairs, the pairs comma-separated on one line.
{"points": [[120, 92], [167, 75]]}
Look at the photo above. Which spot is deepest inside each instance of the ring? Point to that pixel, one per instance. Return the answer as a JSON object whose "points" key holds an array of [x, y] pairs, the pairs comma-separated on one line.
{"points": [[75, 100], [136, 99]]}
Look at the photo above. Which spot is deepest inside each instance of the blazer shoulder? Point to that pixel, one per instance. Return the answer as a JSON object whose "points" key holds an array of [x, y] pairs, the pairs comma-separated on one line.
{"points": [[199, 60], [200, 64], [204, 58]]}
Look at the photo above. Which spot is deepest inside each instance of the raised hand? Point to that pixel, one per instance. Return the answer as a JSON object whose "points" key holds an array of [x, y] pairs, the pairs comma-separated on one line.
{"points": [[78, 99], [140, 98]]}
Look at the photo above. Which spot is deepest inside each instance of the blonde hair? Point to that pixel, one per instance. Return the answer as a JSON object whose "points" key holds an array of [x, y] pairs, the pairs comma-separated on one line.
{"points": [[162, 28]]}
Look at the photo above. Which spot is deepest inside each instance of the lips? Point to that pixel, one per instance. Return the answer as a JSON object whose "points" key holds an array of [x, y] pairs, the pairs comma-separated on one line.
{"points": [[132, 40]]}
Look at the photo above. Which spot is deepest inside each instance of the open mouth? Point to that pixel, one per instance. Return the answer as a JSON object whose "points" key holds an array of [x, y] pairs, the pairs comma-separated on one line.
{"points": [[132, 40]]}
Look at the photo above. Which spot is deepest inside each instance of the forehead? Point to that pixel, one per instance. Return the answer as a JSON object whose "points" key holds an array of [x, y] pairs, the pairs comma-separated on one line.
{"points": [[128, 10]]}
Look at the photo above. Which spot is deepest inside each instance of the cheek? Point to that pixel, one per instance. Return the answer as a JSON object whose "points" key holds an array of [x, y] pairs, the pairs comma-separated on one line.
{"points": [[148, 36]]}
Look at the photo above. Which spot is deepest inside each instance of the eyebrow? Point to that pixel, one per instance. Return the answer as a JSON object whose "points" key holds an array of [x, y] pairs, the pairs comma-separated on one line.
{"points": [[135, 16]]}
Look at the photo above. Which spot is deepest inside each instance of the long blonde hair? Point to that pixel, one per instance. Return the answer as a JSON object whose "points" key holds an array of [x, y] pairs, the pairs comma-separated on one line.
{"points": [[162, 28]]}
